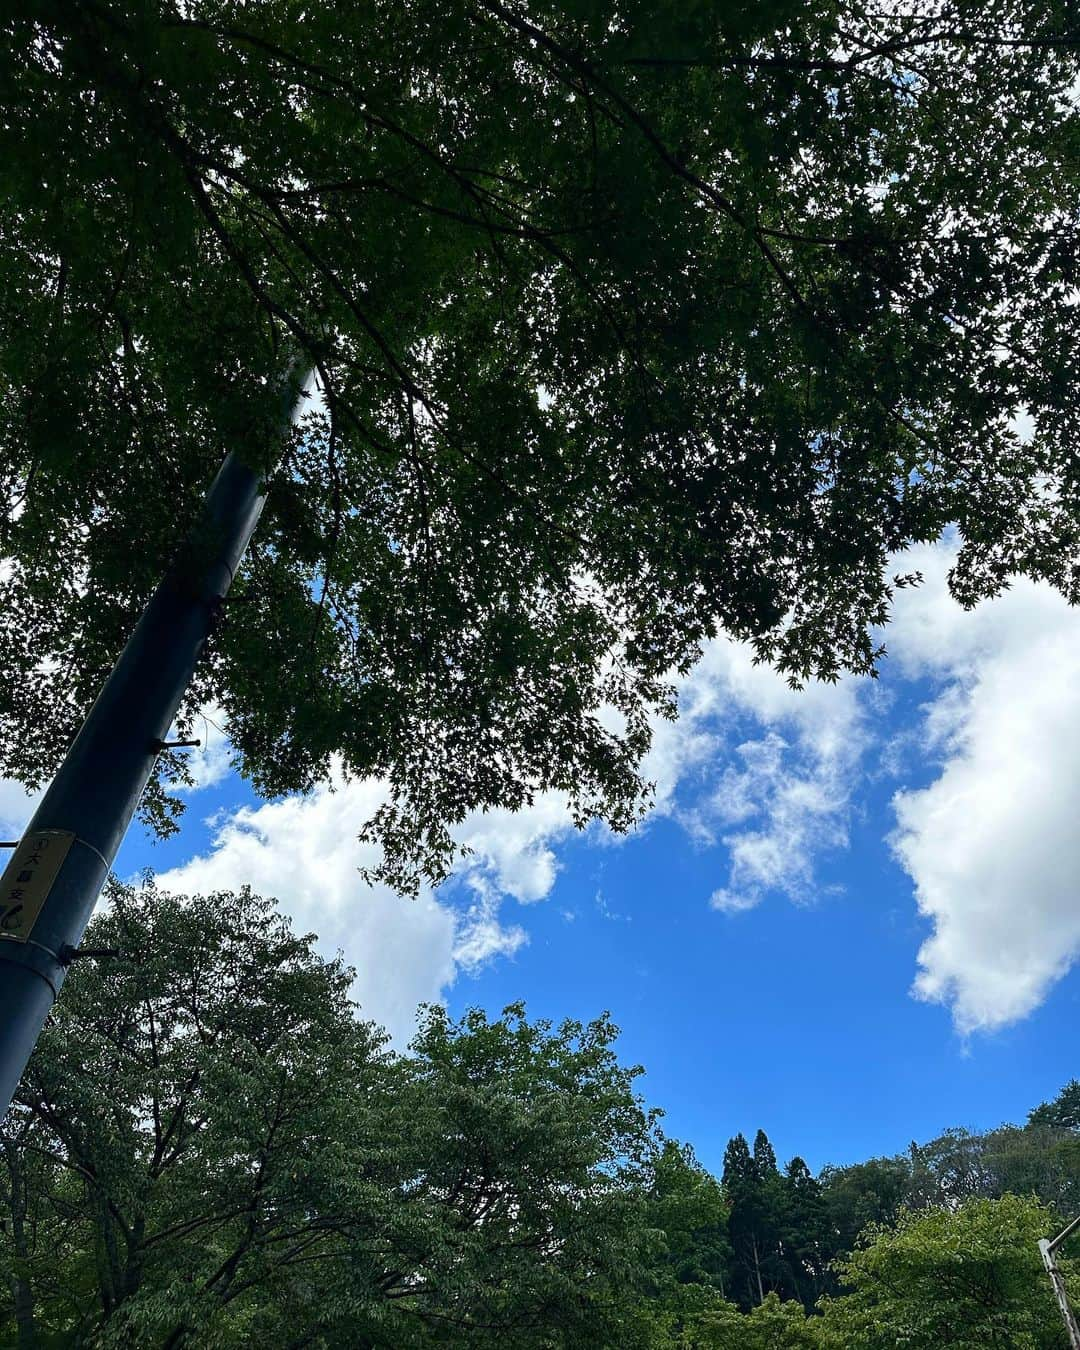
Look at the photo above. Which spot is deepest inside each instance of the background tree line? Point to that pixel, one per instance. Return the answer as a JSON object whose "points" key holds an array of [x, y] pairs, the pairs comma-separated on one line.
{"points": [[211, 1148], [788, 1228]]}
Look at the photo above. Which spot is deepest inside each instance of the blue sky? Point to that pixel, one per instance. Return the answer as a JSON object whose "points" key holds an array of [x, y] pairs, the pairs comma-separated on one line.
{"points": [[851, 920]]}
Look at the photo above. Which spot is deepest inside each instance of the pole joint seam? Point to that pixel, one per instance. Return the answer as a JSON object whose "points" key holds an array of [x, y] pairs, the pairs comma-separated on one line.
{"points": [[96, 852]]}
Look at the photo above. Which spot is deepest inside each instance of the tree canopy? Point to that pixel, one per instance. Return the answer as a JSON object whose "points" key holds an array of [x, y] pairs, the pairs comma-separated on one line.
{"points": [[637, 322], [209, 1148], [966, 1278]]}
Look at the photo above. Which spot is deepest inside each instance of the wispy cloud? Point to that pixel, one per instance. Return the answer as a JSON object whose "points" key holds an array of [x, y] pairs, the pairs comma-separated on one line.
{"points": [[771, 773]]}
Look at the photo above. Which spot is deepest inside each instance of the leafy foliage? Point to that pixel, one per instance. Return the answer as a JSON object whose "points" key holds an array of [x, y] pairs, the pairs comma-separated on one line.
{"points": [[637, 321], [773, 1324], [968, 1278], [210, 1148], [223, 1154]]}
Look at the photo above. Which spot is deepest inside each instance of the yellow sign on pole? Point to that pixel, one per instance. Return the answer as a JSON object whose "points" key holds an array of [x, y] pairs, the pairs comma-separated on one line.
{"points": [[28, 879]]}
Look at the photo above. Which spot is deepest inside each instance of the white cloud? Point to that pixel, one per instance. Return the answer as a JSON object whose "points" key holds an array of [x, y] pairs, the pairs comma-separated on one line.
{"points": [[304, 852], [788, 817], [513, 850], [481, 937], [992, 844], [783, 794], [211, 762]]}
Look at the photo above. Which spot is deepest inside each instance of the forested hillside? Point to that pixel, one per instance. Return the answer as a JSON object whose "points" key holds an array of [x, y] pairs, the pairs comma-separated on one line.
{"points": [[212, 1149]]}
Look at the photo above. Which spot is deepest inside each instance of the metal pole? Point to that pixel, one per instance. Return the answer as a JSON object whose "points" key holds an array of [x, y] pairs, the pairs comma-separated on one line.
{"points": [[51, 883], [1047, 1248]]}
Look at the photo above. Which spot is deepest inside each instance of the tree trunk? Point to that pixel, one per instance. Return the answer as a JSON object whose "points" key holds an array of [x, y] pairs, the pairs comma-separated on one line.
{"points": [[21, 1292]]}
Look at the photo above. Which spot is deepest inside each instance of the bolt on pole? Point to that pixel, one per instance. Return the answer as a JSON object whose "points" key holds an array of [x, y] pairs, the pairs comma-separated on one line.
{"points": [[1047, 1248], [52, 881]]}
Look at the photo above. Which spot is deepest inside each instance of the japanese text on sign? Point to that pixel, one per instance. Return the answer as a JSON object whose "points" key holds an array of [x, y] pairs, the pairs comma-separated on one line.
{"points": [[28, 878]]}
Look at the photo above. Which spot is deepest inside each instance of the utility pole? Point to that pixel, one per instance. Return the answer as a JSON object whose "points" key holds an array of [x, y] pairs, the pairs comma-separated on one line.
{"points": [[51, 883], [1047, 1248]]}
